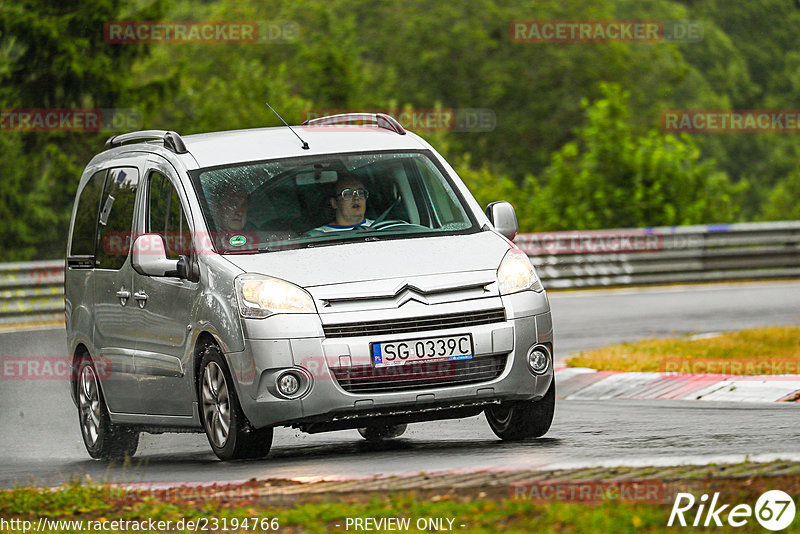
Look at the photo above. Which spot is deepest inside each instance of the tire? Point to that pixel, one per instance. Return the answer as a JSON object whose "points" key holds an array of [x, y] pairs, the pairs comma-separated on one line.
{"points": [[381, 432], [518, 420], [229, 433], [103, 439]]}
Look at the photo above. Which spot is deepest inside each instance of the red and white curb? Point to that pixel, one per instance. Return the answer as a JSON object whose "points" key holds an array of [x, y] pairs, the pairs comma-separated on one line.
{"points": [[589, 384]]}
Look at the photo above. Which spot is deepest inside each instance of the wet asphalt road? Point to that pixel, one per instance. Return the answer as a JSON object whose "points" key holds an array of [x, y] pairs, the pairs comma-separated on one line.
{"points": [[40, 441]]}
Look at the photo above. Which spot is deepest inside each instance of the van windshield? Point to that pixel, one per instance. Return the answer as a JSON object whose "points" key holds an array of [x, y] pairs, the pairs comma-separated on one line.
{"points": [[319, 200]]}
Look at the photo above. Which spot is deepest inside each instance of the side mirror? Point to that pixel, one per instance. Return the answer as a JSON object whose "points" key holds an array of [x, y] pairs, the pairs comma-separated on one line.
{"points": [[150, 257], [503, 218]]}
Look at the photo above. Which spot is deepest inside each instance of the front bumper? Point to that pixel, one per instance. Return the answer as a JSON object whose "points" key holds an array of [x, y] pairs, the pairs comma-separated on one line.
{"points": [[298, 342]]}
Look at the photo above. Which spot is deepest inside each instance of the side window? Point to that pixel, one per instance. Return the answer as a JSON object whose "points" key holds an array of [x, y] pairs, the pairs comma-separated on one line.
{"points": [[116, 217], [442, 197], [166, 217], [84, 229]]}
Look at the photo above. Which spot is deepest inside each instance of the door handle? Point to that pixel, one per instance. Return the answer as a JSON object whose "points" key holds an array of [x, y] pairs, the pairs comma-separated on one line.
{"points": [[141, 298], [123, 295]]}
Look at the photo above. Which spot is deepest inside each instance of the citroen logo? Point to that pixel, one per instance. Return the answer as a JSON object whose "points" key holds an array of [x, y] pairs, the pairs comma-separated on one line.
{"points": [[407, 293]]}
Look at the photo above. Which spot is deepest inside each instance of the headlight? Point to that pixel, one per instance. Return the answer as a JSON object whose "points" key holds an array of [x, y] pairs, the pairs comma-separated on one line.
{"points": [[517, 274], [262, 296]]}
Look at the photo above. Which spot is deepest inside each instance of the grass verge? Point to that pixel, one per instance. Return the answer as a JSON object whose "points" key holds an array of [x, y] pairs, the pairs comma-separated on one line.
{"points": [[479, 515], [461, 509], [758, 351]]}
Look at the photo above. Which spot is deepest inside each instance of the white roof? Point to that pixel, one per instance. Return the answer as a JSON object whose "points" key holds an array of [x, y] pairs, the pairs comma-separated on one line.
{"points": [[220, 148]]}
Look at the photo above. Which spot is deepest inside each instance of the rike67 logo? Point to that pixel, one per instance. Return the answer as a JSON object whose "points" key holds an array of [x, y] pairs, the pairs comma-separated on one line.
{"points": [[774, 510]]}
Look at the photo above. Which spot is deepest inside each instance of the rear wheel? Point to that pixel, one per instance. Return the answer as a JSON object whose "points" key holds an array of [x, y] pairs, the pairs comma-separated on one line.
{"points": [[523, 419], [229, 433], [103, 439], [381, 432]]}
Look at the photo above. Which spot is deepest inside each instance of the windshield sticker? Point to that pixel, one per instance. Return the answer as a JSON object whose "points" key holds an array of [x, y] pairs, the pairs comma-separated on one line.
{"points": [[238, 240]]}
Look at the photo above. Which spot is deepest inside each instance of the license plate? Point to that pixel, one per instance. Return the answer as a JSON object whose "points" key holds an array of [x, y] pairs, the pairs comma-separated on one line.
{"points": [[422, 350]]}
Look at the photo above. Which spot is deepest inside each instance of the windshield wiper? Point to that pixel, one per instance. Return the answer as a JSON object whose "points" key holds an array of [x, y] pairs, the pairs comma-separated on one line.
{"points": [[278, 248], [359, 239], [241, 251]]}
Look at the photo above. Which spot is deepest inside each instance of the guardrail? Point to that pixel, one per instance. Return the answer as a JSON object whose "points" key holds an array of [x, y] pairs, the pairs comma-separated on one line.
{"points": [[31, 292], [663, 255], [34, 291]]}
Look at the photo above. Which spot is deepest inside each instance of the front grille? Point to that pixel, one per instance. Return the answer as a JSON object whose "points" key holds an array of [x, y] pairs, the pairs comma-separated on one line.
{"points": [[368, 379], [415, 324]]}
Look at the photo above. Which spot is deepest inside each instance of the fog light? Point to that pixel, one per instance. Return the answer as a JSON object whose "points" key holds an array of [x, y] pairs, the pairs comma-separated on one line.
{"points": [[538, 359], [288, 384]]}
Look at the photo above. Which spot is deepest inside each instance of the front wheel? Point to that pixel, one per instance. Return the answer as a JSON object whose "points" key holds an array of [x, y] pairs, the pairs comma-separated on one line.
{"points": [[517, 420], [103, 439], [229, 432]]}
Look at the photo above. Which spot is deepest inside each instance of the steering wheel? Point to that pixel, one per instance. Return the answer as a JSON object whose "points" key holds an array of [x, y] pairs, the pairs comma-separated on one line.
{"points": [[382, 225]]}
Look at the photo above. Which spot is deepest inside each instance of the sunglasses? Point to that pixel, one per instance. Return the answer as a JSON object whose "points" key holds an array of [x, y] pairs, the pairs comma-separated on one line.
{"points": [[350, 194]]}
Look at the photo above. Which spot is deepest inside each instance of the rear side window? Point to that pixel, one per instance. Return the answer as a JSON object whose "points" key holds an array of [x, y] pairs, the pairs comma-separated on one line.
{"points": [[166, 217], [84, 230], [116, 217]]}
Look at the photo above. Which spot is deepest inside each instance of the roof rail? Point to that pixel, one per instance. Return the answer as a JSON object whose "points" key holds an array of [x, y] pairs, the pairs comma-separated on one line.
{"points": [[172, 140], [387, 122]]}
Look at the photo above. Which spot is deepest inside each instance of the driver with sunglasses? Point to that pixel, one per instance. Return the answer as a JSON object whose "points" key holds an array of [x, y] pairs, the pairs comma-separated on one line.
{"points": [[349, 205]]}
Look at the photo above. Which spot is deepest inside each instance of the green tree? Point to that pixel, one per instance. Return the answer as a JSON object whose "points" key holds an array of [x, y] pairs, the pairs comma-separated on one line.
{"points": [[52, 55], [611, 177], [782, 203], [561, 162], [749, 55], [489, 185]]}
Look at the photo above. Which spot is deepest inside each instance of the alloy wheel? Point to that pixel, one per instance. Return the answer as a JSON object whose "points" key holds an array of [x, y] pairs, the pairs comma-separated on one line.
{"points": [[216, 404], [89, 402]]}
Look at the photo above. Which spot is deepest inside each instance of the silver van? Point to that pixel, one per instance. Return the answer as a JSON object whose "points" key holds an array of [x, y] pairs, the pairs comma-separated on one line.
{"points": [[335, 275]]}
